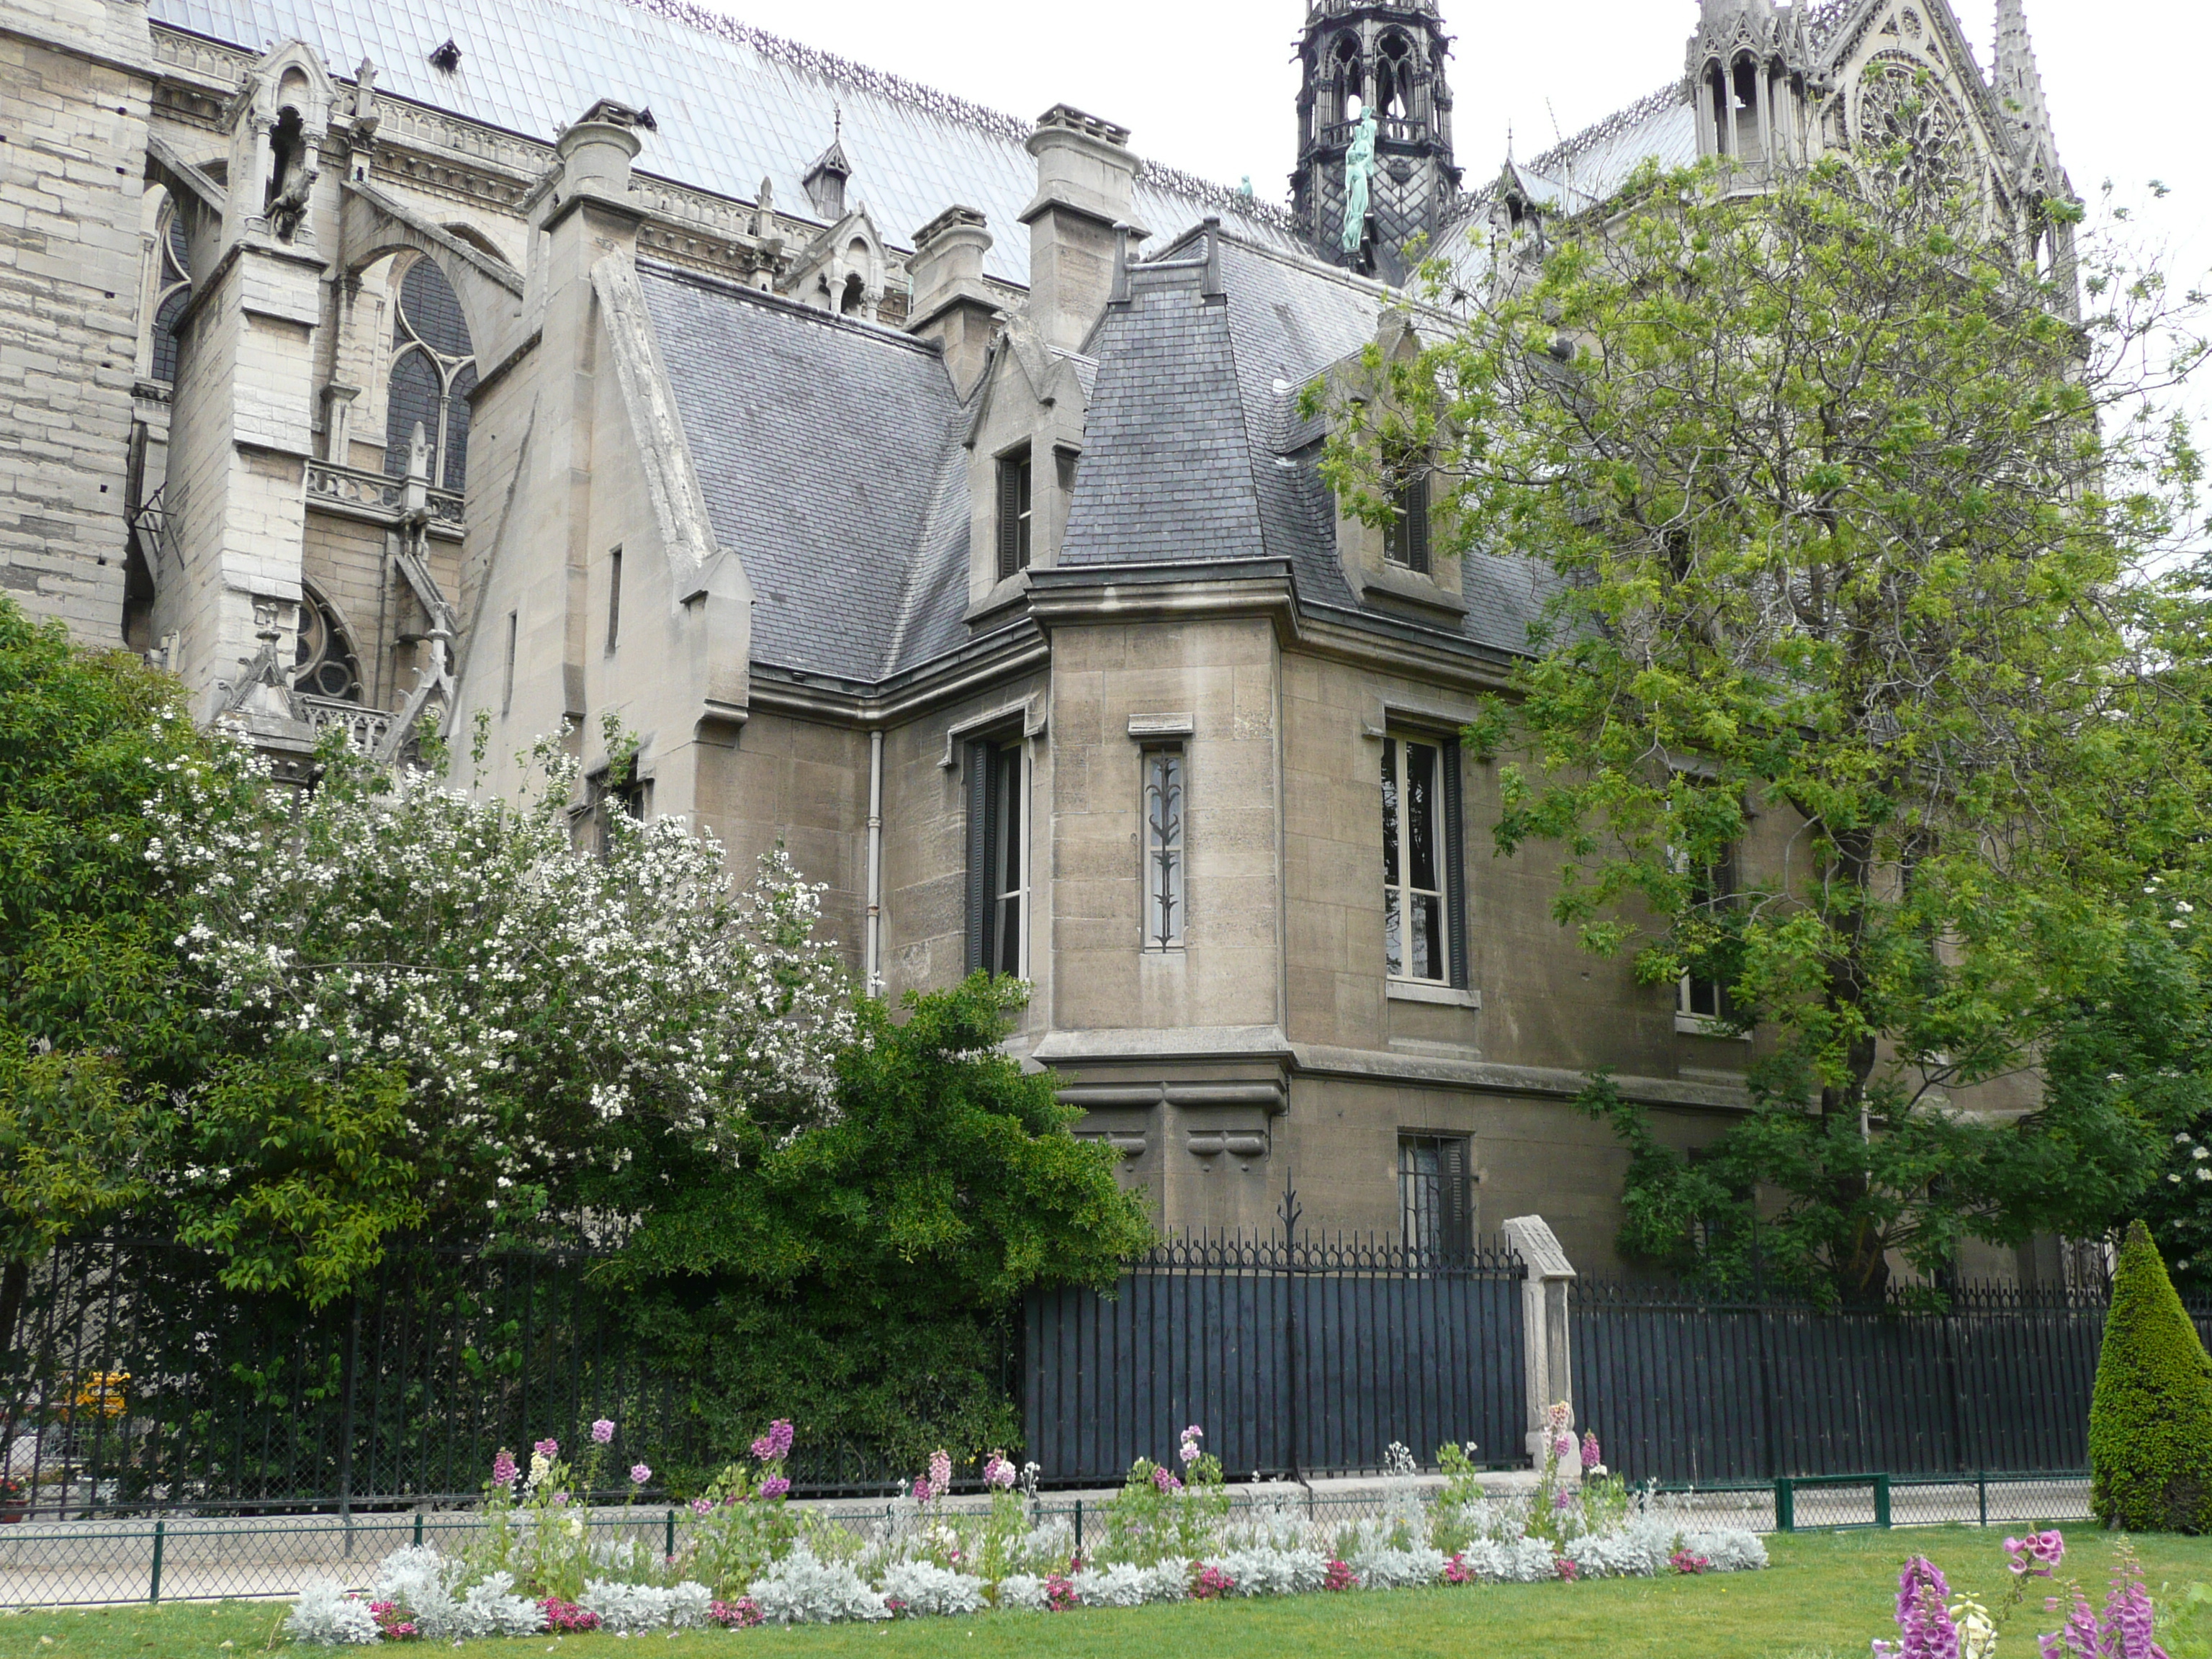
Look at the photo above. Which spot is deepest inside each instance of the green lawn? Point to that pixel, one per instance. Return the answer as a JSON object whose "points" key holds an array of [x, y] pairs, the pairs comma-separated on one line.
{"points": [[1826, 1596]]}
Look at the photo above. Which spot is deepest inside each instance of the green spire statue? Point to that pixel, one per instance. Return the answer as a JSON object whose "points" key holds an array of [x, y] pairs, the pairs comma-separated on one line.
{"points": [[1358, 169]]}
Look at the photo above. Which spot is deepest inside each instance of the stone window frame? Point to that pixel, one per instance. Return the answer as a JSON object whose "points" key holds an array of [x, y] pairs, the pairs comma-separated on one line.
{"points": [[985, 755], [1422, 1195], [1455, 983]]}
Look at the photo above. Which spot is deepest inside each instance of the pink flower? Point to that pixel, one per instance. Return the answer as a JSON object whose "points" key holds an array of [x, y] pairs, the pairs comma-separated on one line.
{"points": [[1340, 1577], [1591, 1457], [1563, 1501], [922, 1491], [547, 1449], [1567, 1569], [1166, 1481], [564, 1617], [1212, 1583], [997, 1472], [602, 1431], [775, 1486], [1059, 1594], [1564, 1446], [1456, 1571], [503, 1469], [2035, 1555], [775, 1443], [940, 1472], [702, 1506], [639, 1474], [740, 1615]]}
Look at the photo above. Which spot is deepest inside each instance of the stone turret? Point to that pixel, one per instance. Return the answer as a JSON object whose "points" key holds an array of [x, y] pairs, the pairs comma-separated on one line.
{"points": [[1748, 74], [1384, 57]]}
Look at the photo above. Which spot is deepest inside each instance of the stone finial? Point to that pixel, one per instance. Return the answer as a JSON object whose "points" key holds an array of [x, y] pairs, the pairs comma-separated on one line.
{"points": [[2018, 82], [596, 153]]}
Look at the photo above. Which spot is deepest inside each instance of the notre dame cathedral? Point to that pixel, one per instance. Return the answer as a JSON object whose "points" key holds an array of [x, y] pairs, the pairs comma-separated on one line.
{"points": [[926, 488]]}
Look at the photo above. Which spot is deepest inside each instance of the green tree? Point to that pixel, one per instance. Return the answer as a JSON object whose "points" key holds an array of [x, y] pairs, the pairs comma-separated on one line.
{"points": [[858, 1276], [2150, 1419], [1847, 515], [92, 1032]]}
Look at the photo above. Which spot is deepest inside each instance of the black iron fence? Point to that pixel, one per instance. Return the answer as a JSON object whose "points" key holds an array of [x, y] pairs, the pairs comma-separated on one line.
{"points": [[1302, 1356], [1683, 1387], [135, 1381]]}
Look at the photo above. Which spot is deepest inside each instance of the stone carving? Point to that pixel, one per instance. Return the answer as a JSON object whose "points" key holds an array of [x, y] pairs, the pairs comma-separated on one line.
{"points": [[1913, 131], [1358, 171]]}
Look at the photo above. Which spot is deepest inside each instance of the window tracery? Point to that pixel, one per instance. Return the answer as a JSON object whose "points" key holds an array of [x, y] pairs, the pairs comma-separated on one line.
{"points": [[325, 664], [173, 292], [1913, 131], [433, 372]]}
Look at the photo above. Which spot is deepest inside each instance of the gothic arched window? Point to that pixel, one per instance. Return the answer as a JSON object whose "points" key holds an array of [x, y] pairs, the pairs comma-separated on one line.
{"points": [[173, 292], [433, 372], [325, 664], [1394, 77], [1351, 83]]}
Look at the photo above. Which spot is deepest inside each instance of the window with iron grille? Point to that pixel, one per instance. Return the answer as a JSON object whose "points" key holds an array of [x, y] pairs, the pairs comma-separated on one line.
{"points": [[997, 863], [1164, 847], [1436, 1193], [1014, 516], [1422, 870]]}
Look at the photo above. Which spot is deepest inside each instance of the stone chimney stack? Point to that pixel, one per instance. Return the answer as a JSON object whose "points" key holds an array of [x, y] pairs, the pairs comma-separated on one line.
{"points": [[952, 304], [1086, 177]]}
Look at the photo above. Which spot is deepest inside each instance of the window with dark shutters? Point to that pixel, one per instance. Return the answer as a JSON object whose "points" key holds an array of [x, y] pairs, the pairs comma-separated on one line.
{"points": [[1407, 543], [998, 860], [1424, 864], [1014, 516]]}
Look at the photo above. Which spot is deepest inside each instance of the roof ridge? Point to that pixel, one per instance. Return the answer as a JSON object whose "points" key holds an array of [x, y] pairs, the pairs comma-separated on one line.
{"points": [[883, 333], [831, 66], [1628, 115]]}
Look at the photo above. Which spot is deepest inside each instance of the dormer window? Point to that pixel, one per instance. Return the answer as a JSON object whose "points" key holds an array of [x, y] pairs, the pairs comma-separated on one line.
{"points": [[1016, 520]]}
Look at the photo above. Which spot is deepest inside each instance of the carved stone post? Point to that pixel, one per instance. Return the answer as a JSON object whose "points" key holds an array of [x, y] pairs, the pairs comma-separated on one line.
{"points": [[1545, 1362]]}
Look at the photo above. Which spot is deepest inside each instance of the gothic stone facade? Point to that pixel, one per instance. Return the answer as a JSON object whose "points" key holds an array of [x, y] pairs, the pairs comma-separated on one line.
{"points": [[926, 488]]}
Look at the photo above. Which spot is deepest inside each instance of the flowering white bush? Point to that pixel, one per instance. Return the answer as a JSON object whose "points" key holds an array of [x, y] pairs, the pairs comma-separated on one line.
{"points": [[922, 1588], [487, 997], [802, 1589], [327, 1617], [628, 1609]]}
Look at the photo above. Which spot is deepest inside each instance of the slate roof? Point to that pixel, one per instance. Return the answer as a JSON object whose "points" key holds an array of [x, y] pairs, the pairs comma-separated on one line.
{"points": [[1193, 449], [732, 103], [828, 453]]}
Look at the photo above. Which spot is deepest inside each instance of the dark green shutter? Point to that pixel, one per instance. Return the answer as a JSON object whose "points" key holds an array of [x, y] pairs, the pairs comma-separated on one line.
{"points": [[1455, 905], [979, 853], [1417, 525], [1010, 516]]}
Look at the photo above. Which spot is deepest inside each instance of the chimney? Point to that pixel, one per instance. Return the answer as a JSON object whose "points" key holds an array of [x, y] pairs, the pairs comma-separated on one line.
{"points": [[1085, 178], [951, 304]]}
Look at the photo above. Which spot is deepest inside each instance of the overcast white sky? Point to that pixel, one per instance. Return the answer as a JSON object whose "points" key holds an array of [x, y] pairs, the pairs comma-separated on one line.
{"points": [[1207, 85]]}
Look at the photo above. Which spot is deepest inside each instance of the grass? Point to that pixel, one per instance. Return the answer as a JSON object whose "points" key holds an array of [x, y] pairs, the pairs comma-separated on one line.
{"points": [[1825, 1596]]}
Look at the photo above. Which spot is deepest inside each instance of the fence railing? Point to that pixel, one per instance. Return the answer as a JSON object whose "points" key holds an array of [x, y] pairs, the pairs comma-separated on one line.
{"points": [[1301, 1357], [133, 1382], [1680, 1387]]}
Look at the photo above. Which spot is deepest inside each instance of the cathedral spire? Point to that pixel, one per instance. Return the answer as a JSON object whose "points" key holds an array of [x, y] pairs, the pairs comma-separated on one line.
{"points": [[2019, 86]]}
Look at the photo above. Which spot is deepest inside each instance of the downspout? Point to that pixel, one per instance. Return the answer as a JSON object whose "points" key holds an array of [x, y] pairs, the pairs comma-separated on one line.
{"points": [[875, 948]]}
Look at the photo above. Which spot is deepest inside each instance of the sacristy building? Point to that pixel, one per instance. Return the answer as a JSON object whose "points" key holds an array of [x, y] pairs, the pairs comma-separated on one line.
{"points": [[924, 488]]}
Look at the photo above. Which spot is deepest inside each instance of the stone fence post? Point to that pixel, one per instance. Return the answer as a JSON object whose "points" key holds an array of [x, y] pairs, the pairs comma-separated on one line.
{"points": [[1545, 1362]]}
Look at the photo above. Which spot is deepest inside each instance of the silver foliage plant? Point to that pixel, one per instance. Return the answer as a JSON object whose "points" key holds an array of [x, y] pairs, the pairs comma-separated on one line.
{"points": [[802, 1589], [325, 1616], [628, 1609]]}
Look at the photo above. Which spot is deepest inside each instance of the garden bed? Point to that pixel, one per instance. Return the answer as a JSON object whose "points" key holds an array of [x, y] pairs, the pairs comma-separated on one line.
{"points": [[1825, 1596]]}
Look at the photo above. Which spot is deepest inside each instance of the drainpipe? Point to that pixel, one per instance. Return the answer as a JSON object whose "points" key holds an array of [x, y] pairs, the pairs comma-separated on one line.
{"points": [[875, 949]]}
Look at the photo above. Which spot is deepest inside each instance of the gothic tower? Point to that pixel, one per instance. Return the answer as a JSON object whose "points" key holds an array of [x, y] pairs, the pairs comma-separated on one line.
{"points": [[1374, 110]]}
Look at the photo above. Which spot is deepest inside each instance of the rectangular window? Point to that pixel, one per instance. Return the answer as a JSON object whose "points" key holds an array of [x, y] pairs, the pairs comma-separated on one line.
{"points": [[1406, 544], [1421, 865], [1164, 847], [614, 598], [1013, 513], [998, 858], [1711, 888], [1436, 1193], [506, 683]]}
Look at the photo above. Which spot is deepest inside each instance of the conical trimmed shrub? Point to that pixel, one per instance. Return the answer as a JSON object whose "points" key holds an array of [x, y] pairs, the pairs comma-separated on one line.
{"points": [[2150, 1420]]}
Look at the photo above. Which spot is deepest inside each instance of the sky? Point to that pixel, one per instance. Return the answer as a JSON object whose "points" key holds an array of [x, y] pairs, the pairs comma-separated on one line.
{"points": [[1208, 86]]}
